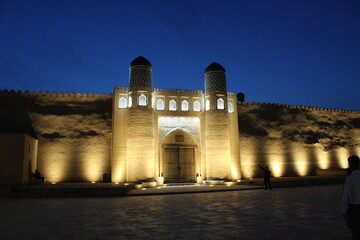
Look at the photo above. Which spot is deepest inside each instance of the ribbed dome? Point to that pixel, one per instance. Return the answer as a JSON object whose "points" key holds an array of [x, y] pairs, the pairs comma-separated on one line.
{"points": [[140, 61], [215, 67]]}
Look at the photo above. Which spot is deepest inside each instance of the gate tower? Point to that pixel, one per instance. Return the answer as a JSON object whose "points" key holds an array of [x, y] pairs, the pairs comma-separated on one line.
{"points": [[217, 131]]}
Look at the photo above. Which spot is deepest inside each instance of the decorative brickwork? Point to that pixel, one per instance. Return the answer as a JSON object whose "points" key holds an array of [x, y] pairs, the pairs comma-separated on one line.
{"points": [[140, 76], [215, 81]]}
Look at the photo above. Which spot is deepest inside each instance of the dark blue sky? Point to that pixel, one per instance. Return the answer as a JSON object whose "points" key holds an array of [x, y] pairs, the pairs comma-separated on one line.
{"points": [[290, 52]]}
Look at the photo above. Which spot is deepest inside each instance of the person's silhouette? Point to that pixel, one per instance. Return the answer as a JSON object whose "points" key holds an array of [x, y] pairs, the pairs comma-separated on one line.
{"points": [[38, 176], [351, 197], [267, 174]]}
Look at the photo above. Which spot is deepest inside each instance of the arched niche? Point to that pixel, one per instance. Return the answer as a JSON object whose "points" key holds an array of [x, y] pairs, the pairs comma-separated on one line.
{"points": [[179, 157]]}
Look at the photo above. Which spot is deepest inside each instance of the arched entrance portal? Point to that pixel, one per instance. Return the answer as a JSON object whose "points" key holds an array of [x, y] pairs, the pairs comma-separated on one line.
{"points": [[179, 152]]}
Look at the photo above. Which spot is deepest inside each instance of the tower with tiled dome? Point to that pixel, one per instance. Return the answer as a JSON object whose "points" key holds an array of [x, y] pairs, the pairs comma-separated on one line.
{"points": [[220, 146], [133, 140]]}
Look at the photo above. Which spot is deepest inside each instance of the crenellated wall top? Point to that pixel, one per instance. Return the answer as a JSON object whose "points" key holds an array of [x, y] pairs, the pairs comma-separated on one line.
{"points": [[55, 94], [299, 107], [172, 90], [122, 88], [177, 90]]}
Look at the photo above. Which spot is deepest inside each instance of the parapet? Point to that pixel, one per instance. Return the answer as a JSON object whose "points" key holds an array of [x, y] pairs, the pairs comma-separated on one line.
{"points": [[122, 88], [171, 90], [177, 90], [299, 107], [55, 94]]}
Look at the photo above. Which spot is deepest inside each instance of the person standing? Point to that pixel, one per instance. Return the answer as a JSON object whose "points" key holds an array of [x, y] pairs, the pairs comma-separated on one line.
{"points": [[350, 199], [267, 174]]}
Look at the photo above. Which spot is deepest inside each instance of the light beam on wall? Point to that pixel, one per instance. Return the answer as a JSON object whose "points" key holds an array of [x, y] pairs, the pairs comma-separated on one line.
{"points": [[56, 165], [276, 167], [276, 158], [301, 160], [93, 159], [342, 155], [323, 159]]}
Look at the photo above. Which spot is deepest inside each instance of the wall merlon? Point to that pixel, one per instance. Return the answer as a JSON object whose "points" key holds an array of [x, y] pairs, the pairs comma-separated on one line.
{"points": [[177, 90], [122, 88], [300, 107], [54, 94]]}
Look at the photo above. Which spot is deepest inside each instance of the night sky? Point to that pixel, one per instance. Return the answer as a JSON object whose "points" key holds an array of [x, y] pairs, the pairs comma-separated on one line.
{"points": [[289, 52]]}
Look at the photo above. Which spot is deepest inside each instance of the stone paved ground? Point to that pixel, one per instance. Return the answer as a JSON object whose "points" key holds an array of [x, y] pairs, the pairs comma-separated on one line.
{"points": [[286, 213]]}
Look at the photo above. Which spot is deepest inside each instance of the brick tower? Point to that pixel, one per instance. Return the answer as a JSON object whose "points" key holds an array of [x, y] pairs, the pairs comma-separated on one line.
{"points": [[217, 130], [140, 131], [133, 126]]}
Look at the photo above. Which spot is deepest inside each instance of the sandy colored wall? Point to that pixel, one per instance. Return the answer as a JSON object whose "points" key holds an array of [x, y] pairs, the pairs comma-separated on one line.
{"points": [[295, 140], [73, 131], [74, 135]]}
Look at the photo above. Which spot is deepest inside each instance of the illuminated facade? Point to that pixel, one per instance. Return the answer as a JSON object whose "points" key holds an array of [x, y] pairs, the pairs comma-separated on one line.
{"points": [[144, 134], [174, 135]]}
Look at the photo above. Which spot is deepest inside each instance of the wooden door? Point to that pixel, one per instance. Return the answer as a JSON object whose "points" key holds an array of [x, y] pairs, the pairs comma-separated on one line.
{"points": [[179, 164], [186, 162], [171, 165]]}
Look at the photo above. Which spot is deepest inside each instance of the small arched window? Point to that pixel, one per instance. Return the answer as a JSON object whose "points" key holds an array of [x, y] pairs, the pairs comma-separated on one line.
{"points": [[142, 100], [230, 107], [220, 104], [160, 105], [122, 103], [207, 105], [196, 106], [184, 106], [172, 105], [130, 101]]}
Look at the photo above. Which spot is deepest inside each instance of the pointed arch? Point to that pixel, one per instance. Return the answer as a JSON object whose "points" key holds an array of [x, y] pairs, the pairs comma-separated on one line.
{"points": [[172, 105], [122, 103], [142, 100], [180, 158], [160, 105], [171, 132], [197, 106], [184, 106], [220, 104]]}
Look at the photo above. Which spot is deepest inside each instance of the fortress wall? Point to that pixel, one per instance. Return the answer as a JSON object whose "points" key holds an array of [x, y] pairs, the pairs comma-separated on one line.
{"points": [[73, 130], [295, 140], [234, 140]]}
